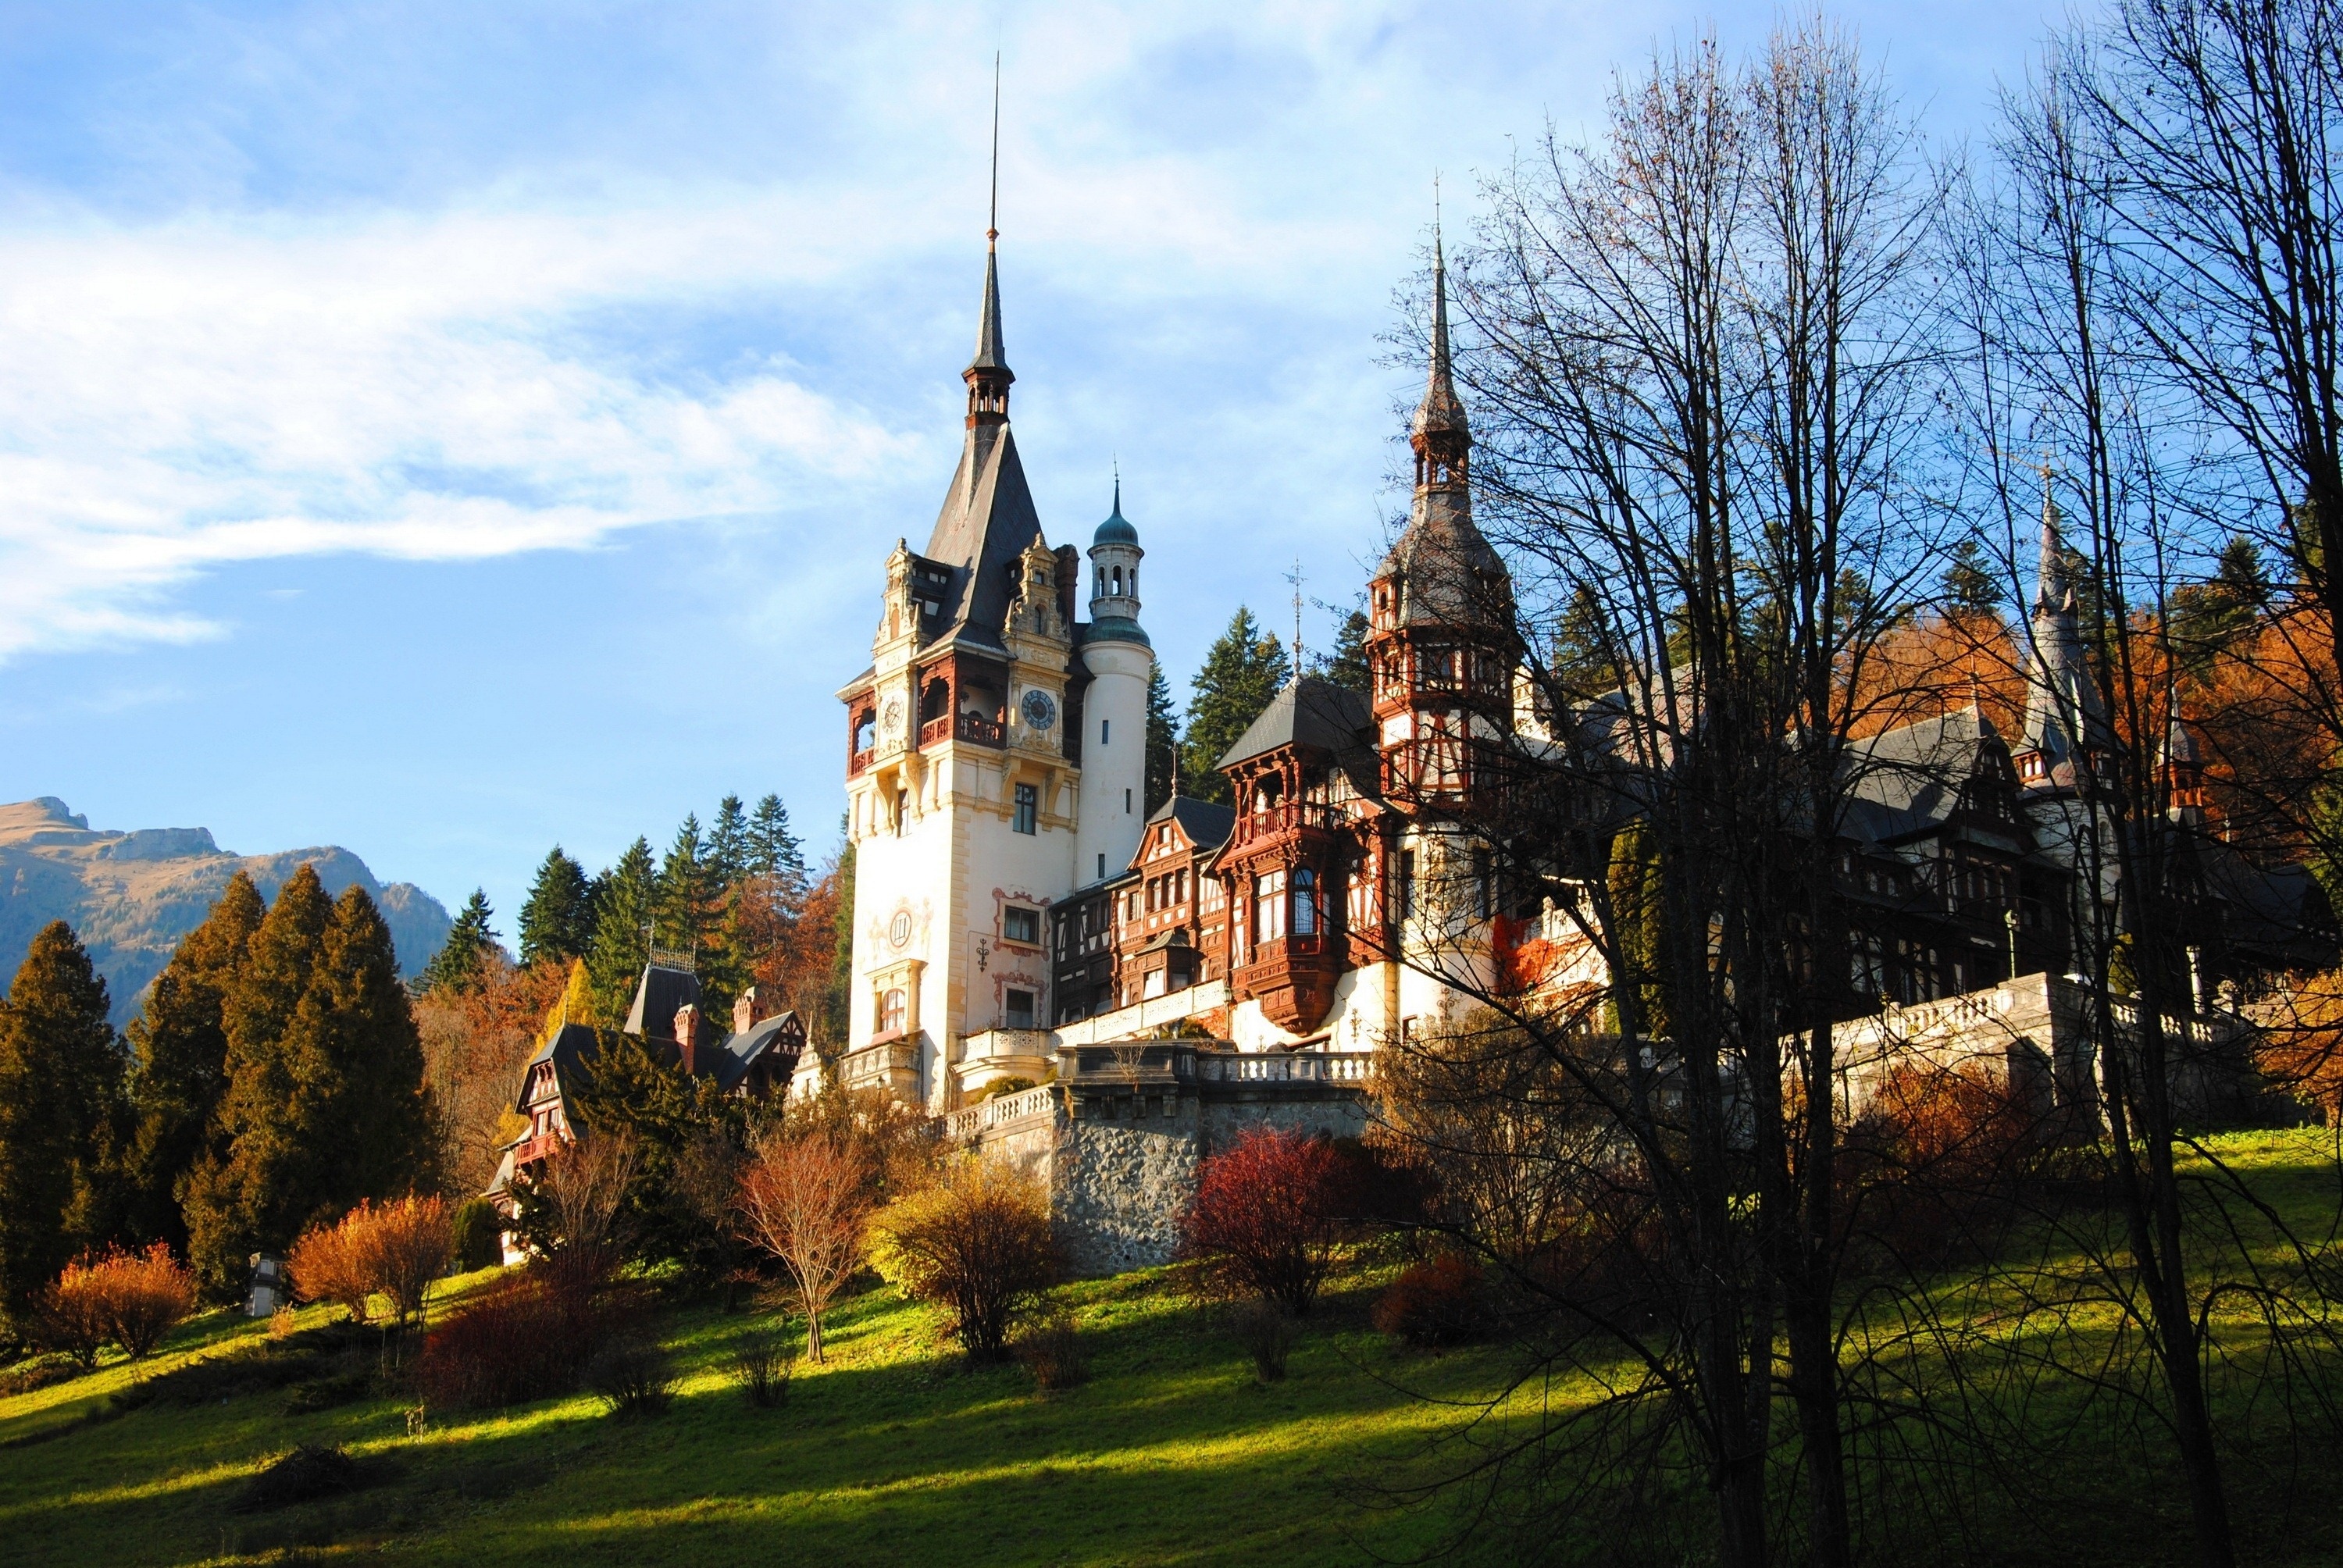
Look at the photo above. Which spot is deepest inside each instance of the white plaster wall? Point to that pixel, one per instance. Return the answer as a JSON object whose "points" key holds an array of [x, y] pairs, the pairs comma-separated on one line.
{"points": [[1115, 771]]}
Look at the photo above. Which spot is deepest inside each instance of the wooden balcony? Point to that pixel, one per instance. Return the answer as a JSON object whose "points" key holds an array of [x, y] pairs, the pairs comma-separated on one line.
{"points": [[859, 761], [1293, 816], [979, 730]]}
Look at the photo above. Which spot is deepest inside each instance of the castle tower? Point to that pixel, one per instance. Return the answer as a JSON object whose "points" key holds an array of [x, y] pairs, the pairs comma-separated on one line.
{"points": [[961, 783], [2065, 721], [1119, 661], [1441, 641]]}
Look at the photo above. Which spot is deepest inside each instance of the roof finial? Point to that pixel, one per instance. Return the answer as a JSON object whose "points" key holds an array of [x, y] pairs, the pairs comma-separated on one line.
{"points": [[1440, 414], [992, 215], [1118, 484]]}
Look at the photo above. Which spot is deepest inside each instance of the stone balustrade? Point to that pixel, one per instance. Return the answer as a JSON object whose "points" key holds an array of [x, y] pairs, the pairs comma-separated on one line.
{"points": [[1002, 1109]]}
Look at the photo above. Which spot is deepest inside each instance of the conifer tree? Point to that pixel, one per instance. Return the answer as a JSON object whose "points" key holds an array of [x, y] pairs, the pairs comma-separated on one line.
{"points": [[179, 1047], [1241, 671], [61, 1118], [773, 850], [355, 1042], [727, 842], [622, 922], [1347, 666], [2209, 617], [458, 964], [1970, 588], [238, 1191], [1163, 739], [556, 920], [324, 1097]]}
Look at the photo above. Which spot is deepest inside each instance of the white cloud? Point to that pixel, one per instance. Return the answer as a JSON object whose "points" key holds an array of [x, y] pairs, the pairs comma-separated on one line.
{"points": [[207, 390]]}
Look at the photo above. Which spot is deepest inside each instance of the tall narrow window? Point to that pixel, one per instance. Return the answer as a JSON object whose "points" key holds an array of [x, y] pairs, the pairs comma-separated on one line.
{"points": [[1407, 884], [1017, 1008], [1269, 907], [891, 1008], [1102, 870], [1126, 802], [1106, 727], [1029, 808], [902, 811], [1305, 901]]}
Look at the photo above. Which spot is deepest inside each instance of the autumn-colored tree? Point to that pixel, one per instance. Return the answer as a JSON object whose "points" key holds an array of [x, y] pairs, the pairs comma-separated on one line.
{"points": [[475, 1043], [1266, 1215], [976, 1242], [1935, 664], [806, 1200]]}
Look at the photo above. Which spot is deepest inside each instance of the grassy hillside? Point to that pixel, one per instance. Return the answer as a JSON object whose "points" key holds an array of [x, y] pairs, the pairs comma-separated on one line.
{"points": [[1172, 1454]]}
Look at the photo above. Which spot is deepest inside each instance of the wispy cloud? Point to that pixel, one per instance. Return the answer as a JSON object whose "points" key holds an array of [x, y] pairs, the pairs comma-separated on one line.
{"points": [[207, 390]]}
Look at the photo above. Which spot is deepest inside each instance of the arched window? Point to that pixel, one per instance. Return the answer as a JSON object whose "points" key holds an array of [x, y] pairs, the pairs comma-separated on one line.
{"points": [[1116, 578], [891, 1009], [865, 732], [1305, 901]]}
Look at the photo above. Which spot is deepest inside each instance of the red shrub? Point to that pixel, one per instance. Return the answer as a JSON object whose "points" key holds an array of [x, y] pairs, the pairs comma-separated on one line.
{"points": [[1434, 1303], [132, 1298], [524, 1338], [1937, 1159], [1266, 1214]]}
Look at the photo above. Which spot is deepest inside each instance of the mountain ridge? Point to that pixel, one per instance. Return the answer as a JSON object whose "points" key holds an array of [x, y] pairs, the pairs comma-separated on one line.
{"points": [[132, 895]]}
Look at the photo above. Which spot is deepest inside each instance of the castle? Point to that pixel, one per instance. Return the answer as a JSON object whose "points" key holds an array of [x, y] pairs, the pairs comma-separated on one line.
{"points": [[1014, 907], [1104, 994]]}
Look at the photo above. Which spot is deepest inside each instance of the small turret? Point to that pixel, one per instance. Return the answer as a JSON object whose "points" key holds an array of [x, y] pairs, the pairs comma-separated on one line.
{"points": [[1115, 555]]}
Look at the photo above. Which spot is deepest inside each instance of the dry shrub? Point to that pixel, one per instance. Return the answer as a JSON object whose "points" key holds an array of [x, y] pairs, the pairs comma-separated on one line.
{"points": [[398, 1250], [1052, 1350], [328, 1264], [633, 1375], [132, 1299], [1267, 1213], [1433, 1303], [806, 1200], [1264, 1331], [407, 1246], [526, 1337], [976, 1243], [1930, 1169], [762, 1361]]}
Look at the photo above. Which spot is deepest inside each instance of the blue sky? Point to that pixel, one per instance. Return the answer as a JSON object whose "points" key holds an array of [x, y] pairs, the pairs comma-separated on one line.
{"points": [[447, 429]]}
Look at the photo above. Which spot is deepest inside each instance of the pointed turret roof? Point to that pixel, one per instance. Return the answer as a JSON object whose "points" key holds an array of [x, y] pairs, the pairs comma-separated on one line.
{"points": [[989, 352], [987, 520], [1442, 411]]}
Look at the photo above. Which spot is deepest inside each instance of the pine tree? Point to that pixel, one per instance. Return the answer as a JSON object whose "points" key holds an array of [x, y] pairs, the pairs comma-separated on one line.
{"points": [[458, 966], [62, 1117], [558, 919], [622, 919], [237, 1194], [1347, 665], [685, 896], [2210, 617], [1241, 672], [728, 843], [358, 1055], [180, 1043], [1163, 739], [1970, 588], [773, 850]]}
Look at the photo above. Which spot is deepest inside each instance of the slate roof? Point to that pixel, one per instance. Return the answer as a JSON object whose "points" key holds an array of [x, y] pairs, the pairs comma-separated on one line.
{"points": [[1311, 711], [987, 520], [780, 1037], [1206, 825], [657, 996], [571, 1050]]}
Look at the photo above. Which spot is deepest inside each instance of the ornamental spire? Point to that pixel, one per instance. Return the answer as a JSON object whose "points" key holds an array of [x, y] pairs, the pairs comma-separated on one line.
{"points": [[1440, 435], [988, 374]]}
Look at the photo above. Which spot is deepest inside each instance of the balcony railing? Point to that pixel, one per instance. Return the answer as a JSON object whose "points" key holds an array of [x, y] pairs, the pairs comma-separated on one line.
{"points": [[982, 731], [1288, 817], [935, 729], [860, 761], [534, 1147], [1279, 1067], [1001, 1110]]}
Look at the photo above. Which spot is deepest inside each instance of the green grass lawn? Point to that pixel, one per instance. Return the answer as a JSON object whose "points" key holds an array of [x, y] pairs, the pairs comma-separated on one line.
{"points": [[1172, 1454]]}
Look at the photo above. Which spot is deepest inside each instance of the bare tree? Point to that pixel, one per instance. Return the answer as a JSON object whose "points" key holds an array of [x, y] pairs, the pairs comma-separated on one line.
{"points": [[806, 1200]]}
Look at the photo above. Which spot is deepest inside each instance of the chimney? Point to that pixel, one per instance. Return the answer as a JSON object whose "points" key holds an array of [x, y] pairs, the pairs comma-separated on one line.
{"points": [[687, 1037], [744, 1010]]}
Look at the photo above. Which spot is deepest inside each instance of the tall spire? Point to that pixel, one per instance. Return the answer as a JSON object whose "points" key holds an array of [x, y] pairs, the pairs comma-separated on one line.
{"points": [[2052, 592], [1440, 435], [988, 374]]}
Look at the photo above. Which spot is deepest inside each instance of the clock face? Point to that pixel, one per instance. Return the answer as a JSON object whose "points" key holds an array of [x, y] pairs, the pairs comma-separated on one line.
{"points": [[1040, 712], [899, 929], [891, 717]]}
